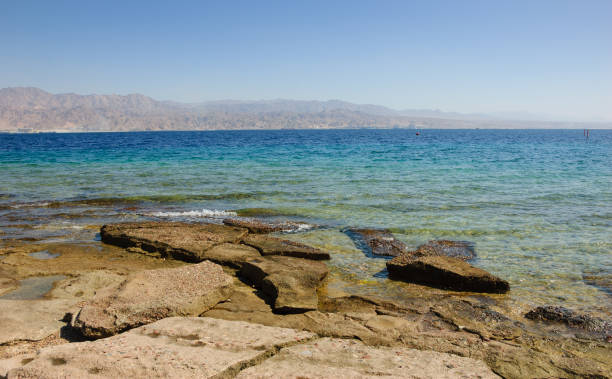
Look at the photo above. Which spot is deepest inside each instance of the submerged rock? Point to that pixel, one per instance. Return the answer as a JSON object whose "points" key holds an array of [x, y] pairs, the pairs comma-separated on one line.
{"points": [[601, 279], [341, 358], [182, 241], [276, 246], [173, 347], [455, 249], [291, 283], [378, 241], [147, 296], [263, 227], [570, 318], [445, 272]]}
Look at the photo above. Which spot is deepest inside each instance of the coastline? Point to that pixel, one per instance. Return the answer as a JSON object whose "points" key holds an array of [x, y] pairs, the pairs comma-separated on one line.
{"points": [[426, 319]]}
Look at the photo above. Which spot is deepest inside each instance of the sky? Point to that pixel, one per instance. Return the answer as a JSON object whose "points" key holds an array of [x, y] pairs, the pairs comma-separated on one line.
{"points": [[550, 58]]}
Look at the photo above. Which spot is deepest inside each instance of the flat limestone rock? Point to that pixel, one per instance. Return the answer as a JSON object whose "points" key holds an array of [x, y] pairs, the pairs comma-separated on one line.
{"points": [[85, 286], [32, 320], [445, 272], [231, 254], [182, 241], [341, 358], [174, 347], [290, 282], [276, 246], [147, 296], [454, 249], [263, 227], [378, 241]]}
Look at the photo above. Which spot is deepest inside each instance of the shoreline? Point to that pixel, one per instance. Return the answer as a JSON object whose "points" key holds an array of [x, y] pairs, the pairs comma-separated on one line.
{"points": [[457, 316]]}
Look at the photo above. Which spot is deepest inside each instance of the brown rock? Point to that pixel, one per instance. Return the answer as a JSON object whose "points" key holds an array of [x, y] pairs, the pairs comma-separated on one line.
{"points": [[182, 241], [231, 254], [174, 347], [341, 358], [445, 272], [377, 242], [7, 285], [147, 296], [291, 283], [262, 227], [275, 246], [571, 318]]}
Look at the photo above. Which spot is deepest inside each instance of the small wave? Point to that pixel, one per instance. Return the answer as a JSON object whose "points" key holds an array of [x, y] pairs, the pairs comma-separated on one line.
{"points": [[210, 213], [30, 205], [303, 227]]}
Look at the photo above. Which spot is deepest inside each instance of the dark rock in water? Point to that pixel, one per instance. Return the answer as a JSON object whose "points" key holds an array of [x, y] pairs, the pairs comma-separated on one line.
{"points": [[263, 227], [455, 249], [445, 272], [570, 318], [291, 283], [377, 242], [275, 246], [601, 279], [182, 241]]}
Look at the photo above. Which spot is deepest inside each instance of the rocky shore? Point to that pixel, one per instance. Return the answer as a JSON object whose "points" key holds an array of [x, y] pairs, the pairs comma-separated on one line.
{"points": [[160, 299]]}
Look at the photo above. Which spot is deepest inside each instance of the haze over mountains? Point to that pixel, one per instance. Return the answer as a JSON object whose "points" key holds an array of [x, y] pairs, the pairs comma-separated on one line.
{"points": [[34, 110]]}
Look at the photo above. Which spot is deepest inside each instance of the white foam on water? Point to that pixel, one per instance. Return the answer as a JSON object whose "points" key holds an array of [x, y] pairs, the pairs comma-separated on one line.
{"points": [[303, 227], [209, 213], [31, 205]]}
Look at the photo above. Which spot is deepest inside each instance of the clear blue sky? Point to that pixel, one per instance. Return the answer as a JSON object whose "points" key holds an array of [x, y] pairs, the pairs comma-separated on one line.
{"points": [[548, 57]]}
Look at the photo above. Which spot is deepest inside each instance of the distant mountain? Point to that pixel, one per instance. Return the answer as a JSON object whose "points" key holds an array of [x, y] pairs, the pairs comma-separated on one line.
{"points": [[32, 109]]}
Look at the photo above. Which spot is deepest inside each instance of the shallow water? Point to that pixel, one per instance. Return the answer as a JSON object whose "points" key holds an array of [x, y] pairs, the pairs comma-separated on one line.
{"points": [[536, 203], [44, 255], [33, 288]]}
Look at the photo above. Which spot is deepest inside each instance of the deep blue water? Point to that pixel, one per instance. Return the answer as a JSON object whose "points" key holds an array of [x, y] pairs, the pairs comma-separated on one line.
{"points": [[537, 203]]}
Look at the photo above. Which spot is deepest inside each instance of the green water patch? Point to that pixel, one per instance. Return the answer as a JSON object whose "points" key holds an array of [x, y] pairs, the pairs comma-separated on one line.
{"points": [[33, 288]]}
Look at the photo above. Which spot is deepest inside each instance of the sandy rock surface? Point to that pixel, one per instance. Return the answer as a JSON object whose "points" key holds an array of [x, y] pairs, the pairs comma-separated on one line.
{"points": [[32, 319], [231, 254], [150, 295], [182, 241], [341, 358], [173, 347], [268, 245]]}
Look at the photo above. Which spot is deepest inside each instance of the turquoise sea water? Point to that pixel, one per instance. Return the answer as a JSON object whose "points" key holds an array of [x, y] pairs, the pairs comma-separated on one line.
{"points": [[537, 203]]}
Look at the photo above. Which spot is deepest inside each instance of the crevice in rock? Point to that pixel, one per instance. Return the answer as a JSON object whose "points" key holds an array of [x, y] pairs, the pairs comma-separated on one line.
{"points": [[235, 369]]}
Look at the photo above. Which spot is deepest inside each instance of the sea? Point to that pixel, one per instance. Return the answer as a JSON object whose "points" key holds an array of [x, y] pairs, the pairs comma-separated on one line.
{"points": [[537, 204]]}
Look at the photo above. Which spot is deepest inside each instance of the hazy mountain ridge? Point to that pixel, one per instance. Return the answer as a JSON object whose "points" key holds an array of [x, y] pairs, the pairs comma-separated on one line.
{"points": [[32, 109]]}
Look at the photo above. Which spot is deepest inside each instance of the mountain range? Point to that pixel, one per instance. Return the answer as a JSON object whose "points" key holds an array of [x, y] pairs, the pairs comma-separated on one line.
{"points": [[28, 109]]}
